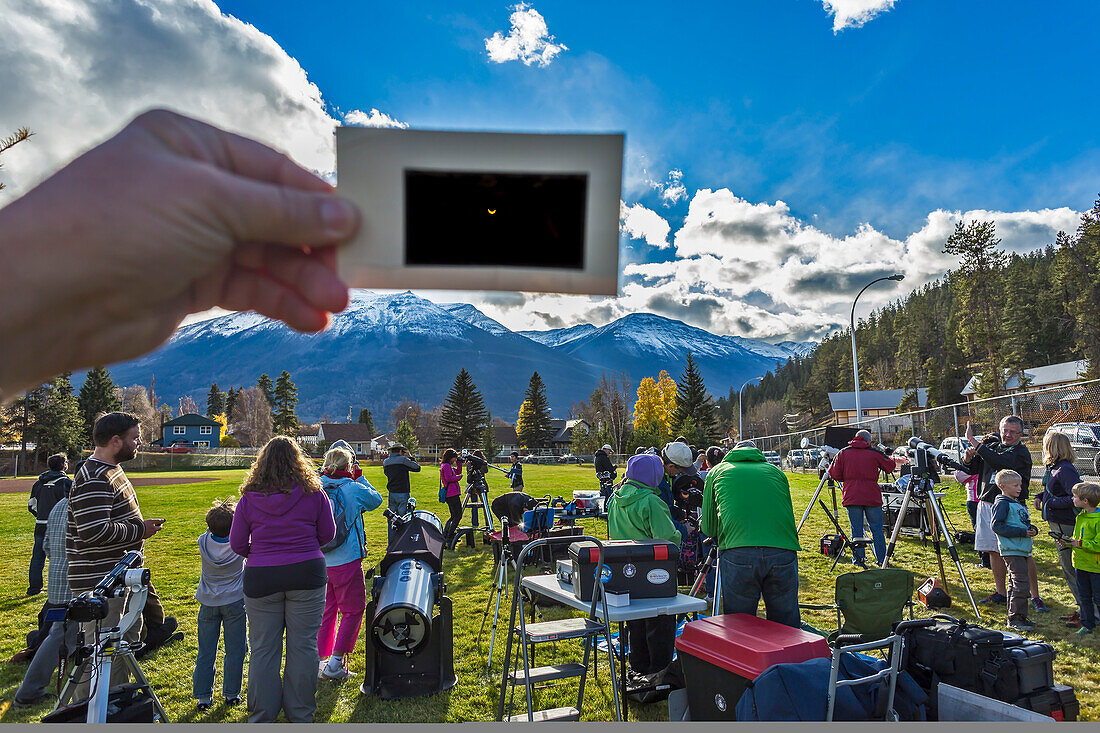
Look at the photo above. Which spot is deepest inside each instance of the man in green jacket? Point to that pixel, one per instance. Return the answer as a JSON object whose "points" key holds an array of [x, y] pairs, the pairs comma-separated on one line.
{"points": [[636, 512], [747, 510]]}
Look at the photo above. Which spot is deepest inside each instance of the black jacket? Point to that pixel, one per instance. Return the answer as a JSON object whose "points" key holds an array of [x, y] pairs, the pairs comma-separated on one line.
{"points": [[49, 489], [991, 458], [397, 470], [603, 463]]}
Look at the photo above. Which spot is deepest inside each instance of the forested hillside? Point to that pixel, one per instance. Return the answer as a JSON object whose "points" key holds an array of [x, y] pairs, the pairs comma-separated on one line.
{"points": [[997, 313]]}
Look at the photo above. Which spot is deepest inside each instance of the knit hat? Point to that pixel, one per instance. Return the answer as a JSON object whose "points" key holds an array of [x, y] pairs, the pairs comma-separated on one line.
{"points": [[645, 469]]}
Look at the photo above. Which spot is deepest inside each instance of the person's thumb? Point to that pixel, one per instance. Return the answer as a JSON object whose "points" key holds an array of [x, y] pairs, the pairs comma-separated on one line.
{"points": [[255, 211]]}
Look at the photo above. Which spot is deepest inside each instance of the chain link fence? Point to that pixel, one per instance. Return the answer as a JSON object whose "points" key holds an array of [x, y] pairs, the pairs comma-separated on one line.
{"points": [[1073, 409]]}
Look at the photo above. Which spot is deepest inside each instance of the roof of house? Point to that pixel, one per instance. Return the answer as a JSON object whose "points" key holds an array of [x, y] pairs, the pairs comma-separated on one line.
{"points": [[305, 431], [191, 419], [563, 429], [1067, 371], [876, 399], [351, 432], [385, 440], [505, 435]]}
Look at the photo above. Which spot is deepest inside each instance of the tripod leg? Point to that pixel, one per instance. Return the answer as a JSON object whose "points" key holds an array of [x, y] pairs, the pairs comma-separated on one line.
{"points": [[496, 592], [501, 589], [817, 495], [897, 527], [955, 556], [935, 525], [131, 663]]}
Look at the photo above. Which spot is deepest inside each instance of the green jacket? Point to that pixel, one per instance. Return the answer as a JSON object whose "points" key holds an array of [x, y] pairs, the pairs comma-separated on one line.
{"points": [[635, 512], [747, 503], [1087, 529]]}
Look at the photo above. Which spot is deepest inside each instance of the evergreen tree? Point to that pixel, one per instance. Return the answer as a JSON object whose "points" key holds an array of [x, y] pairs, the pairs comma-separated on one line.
{"points": [[1018, 321], [366, 418], [215, 401], [536, 430], [231, 401], [265, 385], [97, 396], [489, 445], [1080, 267], [406, 437], [463, 415], [284, 419], [57, 425], [979, 279], [692, 401]]}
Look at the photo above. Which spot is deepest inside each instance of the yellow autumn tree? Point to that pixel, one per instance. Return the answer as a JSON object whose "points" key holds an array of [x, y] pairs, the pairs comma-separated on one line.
{"points": [[221, 421], [525, 422], [656, 401]]}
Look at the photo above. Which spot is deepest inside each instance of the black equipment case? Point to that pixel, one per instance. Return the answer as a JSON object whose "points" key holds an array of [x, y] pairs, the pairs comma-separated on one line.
{"points": [[980, 660], [642, 568], [1057, 701]]}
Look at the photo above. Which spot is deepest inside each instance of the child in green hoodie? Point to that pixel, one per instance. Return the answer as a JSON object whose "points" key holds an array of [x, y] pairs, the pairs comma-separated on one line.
{"points": [[636, 512], [1086, 552]]}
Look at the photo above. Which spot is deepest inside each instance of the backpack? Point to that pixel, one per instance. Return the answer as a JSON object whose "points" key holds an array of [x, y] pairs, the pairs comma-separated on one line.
{"points": [[343, 521]]}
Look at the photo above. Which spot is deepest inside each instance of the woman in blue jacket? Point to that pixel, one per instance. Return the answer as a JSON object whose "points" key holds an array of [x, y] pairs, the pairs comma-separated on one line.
{"points": [[1056, 503], [347, 592]]}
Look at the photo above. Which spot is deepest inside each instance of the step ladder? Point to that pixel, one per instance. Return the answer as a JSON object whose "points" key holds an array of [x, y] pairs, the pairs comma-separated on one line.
{"points": [[526, 636]]}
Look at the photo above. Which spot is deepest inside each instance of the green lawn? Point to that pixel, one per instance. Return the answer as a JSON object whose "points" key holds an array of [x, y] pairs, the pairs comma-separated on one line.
{"points": [[173, 558]]}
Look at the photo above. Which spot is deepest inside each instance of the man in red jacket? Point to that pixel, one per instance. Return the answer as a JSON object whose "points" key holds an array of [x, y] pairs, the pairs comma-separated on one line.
{"points": [[857, 468]]}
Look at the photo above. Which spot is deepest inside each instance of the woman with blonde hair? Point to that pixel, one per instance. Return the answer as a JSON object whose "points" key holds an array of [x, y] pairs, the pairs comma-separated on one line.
{"points": [[346, 592], [281, 521], [1056, 503]]}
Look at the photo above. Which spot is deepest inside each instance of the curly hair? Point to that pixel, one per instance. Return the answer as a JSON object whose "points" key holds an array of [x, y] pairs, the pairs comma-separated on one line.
{"points": [[280, 466]]}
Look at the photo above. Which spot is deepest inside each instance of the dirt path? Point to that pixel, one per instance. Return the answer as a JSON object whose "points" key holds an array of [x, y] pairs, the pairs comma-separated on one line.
{"points": [[23, 485]]}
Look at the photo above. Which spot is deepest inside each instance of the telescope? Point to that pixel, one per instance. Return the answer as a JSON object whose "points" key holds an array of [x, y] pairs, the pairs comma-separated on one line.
{"points": [[944, 460], [409, 647], [826, 449]]}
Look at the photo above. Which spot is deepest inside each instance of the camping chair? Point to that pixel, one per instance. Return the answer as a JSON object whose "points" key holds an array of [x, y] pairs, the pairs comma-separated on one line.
{"points": [[868, 603]]}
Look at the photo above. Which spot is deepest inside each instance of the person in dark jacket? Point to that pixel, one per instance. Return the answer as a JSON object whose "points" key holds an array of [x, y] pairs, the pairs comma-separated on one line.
{"points": [[985, 458], [397, 467], [857, 467], [602, 462], [1056, 504], [51, 487], [515, 472]]}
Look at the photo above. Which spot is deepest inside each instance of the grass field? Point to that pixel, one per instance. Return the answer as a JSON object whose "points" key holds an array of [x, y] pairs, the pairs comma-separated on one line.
{"points": [[173, 559]]}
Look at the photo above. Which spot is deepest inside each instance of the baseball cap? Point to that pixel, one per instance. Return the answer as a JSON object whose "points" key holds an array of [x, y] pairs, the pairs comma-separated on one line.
{"points": [[678, 453], [606, 448]]}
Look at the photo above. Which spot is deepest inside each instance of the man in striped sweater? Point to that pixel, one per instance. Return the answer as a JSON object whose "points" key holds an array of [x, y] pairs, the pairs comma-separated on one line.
{"points": [[105, 521]]}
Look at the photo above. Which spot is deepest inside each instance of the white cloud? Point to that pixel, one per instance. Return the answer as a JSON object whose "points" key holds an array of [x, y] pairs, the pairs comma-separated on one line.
{"points": [[374, 118], [754, 269], [75, 72], [528, 39], [638, 222], [854, 13], [672, 190]]}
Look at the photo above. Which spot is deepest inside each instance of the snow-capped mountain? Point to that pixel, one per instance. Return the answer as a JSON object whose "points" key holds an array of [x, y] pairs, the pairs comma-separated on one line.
{"points": [[386, 347]]}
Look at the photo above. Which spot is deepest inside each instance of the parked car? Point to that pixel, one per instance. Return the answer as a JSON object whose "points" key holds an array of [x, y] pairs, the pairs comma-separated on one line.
{"points": [[1084, 438], [569, 458], [796, 458], [179, 448], [953, 447], [773, 457]]}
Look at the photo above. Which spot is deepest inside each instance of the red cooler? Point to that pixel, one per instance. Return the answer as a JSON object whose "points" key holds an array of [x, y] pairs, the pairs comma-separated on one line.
{"points": [[720, 655]]}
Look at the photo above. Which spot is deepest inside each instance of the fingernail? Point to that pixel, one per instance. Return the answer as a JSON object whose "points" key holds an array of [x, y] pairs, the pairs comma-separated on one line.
{"points": [[338, 216]]}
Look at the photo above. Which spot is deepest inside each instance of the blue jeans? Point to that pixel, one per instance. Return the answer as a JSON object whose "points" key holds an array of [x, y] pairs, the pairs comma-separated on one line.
{"points": [[38, 562], [398, 504], [230, 620], [747, 573], [873, 515], [1088, 590]]}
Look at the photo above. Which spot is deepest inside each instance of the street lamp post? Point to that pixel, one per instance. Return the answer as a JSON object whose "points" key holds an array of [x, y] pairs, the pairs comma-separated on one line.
{"points": [[740, 398], [855, 359]]}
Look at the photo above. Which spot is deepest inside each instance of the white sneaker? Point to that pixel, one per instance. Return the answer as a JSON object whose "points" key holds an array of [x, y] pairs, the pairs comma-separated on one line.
{"points": [[339, 675]]}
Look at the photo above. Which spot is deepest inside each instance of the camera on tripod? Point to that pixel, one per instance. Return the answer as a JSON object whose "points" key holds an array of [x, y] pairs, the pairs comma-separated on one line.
{"points": [[92, 605]]}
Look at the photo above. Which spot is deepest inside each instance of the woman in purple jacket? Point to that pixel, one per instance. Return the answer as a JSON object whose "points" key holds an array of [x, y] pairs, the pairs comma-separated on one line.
{"points": [[450, 476], [280, 523]]}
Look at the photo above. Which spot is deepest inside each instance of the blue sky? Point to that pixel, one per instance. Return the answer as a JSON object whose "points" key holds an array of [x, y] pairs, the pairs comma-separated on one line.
{"points": [[779, 154]]}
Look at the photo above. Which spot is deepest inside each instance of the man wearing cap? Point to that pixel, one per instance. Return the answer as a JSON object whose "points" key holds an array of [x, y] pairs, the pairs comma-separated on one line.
{"points": [[602, 461], [857, 468], [397, 467], [747, 508]]}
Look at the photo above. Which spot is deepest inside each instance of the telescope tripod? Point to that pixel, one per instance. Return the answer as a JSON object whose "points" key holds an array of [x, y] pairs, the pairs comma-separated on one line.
{"points": [[920, 485], [110, 649], [846, 542], [710, 561], [500, 588], [476, 499]]}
